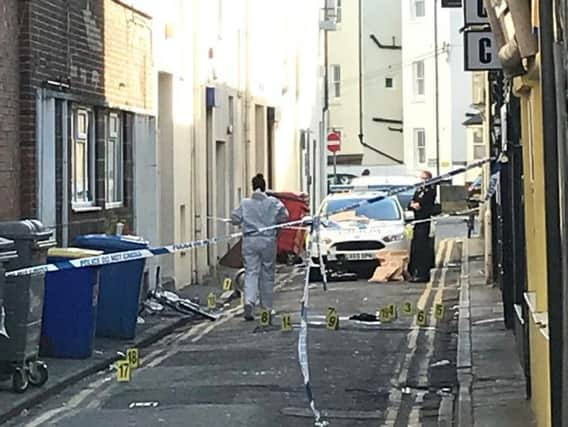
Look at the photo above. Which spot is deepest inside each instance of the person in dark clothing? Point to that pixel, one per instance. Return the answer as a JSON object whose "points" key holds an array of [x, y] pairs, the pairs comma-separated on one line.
{"points": [[421, 248]]}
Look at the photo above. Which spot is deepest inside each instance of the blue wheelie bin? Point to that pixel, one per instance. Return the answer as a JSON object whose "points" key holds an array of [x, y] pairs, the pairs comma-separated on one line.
{"points": [[70, 307], [119, 285]]}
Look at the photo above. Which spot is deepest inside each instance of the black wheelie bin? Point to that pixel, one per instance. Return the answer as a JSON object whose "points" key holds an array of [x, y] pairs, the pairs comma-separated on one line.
{"points": [[23, 304]]}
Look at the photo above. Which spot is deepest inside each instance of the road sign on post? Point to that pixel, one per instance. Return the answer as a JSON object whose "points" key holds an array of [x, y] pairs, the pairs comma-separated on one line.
{"points": [[334, 145], [334, 142]]}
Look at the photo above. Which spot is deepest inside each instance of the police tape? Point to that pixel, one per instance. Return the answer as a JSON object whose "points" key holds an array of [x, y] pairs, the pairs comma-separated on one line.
{"points": [[139, 254], [303, 357], [433, 181]]}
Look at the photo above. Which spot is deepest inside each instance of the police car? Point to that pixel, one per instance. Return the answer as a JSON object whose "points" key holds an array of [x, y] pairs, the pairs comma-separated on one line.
{"points": [[355, 236]]}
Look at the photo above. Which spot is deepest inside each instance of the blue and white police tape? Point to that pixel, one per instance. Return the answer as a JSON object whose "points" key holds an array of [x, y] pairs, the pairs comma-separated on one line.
{"points": [[400, 190], [170, 249], [138, 254], [303, 358]]}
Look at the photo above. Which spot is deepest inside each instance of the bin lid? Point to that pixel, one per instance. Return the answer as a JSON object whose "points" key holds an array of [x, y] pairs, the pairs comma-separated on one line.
{"points": [[7, 250], [27, 229], [72, 253], [108, 242]]}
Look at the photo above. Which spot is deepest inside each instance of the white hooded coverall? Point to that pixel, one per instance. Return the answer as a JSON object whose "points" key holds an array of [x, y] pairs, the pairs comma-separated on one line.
{"points": [[259, 249]]}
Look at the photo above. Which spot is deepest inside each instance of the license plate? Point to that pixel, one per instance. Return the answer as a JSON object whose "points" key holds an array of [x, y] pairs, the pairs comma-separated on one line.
{"points": [[359, 256]]}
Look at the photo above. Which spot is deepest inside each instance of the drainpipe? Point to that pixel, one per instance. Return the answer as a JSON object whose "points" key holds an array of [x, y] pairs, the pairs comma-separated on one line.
{"points": [[553, 243], [437, 87]]}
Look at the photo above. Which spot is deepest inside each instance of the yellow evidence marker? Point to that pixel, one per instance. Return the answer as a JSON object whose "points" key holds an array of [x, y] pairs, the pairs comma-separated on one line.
{"points": [[393, 311], [332, 319], [286, 323], [439, 311], [265, 318], [407, 309], [385, 315], [123, 371], [133, 357], [421, 318], [211, 301], [228, 284]]}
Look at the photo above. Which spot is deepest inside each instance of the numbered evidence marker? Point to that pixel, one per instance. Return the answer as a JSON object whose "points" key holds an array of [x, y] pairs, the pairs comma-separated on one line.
{"points": [[332, 319], [421, 318], [211, 301], [133, 357], [123, 371], [385, 315], [439, 311], [265, 318], [286, 323], [393, 311], [407, 309], [228, 284]]}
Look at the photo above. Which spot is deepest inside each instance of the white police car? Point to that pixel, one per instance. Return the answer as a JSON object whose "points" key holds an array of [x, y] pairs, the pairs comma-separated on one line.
{"points": [[355, 236]]}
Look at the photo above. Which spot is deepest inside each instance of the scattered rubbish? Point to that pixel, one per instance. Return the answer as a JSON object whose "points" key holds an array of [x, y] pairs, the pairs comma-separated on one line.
{"points": [[321, 423], [364, 317], [3, 331], [152, 307], [440, 363], [140, 321], [143, 405], [24, 413], [406, 390], [99, 352]]}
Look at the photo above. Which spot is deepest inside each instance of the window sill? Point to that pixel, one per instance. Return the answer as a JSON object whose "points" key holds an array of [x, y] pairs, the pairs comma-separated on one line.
{"points": [[114, 205], [85, 208]]}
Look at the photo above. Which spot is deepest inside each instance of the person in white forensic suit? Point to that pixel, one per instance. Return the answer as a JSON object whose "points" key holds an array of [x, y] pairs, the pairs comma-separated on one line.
{"points": [[259, 248]]}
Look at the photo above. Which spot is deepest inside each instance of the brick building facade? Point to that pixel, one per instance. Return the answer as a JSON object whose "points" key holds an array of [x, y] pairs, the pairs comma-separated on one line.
{"points": [[86, 73], [9, 147]]}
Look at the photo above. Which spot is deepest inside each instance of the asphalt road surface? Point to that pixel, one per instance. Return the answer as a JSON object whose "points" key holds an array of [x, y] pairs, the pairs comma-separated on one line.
{"points": [[236, 373]]}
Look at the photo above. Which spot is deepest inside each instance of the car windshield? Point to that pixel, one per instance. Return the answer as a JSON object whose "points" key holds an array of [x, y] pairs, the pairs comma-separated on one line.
{"points": [[405, 198], [383, 210]]}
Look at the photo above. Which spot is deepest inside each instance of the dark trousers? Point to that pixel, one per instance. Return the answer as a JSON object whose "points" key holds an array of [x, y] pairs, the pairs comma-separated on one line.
{"points": [[422, 257]]}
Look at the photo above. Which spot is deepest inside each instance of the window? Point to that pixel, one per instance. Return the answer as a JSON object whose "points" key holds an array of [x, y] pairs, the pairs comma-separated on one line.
{"points": [[335, 81], [83, 159], [420, 144], [389, 83], [419, 86], [114, 161], [419, 8], [338, 15], [478, 145]]}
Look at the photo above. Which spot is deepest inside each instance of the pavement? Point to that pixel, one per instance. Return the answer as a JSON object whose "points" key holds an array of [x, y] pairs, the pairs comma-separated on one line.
{"points": [[492, 389]]}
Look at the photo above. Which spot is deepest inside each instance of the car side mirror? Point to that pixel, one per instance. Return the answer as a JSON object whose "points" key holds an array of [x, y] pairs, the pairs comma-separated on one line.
{"points": [[409, 216], [437, 210]]}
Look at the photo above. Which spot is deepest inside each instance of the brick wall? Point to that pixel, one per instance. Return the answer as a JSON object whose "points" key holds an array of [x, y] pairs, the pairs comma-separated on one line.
{"points": [[9, 105], [102, 49]]}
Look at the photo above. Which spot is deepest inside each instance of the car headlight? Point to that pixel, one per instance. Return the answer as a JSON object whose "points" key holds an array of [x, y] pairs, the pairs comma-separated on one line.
{"points": [[394, 237]]}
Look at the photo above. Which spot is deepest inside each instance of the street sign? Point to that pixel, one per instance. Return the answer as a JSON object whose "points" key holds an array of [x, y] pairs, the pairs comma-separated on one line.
{"points": [[480, 52], [334, 142], [451, 3], [474, 13]]}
